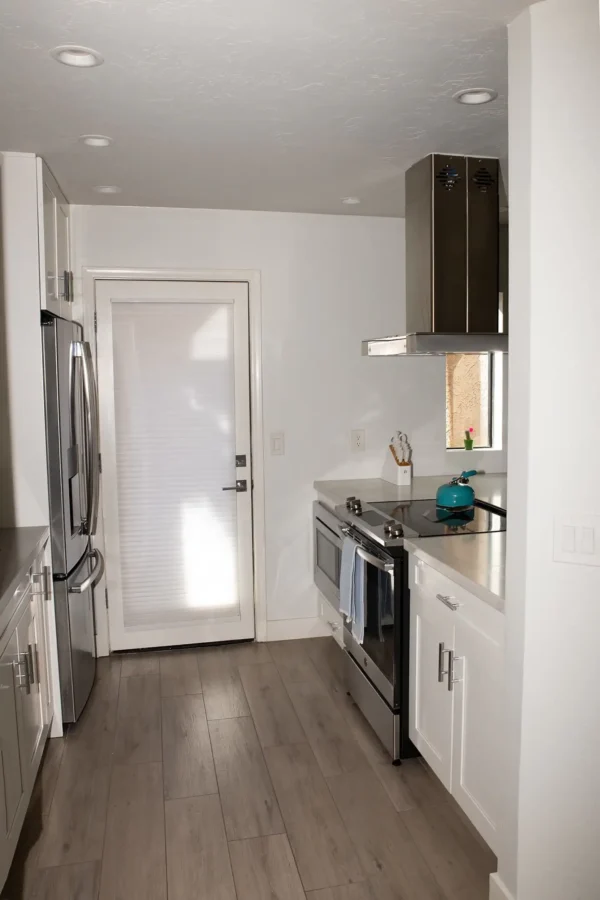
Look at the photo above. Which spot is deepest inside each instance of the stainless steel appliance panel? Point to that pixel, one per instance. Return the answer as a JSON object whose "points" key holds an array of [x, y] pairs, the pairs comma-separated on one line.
{"points": [[384, 722], [74, 605], [383, 683], [72, 441], [65, 439], [327, 555]]}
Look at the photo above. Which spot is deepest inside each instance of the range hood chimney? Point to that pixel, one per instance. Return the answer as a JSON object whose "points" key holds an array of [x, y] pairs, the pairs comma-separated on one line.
{"points": [[452, 260]]}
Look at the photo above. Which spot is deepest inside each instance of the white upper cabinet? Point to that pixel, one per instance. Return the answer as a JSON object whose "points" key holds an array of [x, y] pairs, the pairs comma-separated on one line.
{"points": [[457, 692], [55, 263]]}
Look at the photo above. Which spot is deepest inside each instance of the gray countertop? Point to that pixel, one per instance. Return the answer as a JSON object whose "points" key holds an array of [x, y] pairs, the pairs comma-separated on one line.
{"points": [[475, 561], [18, 549], [488, 488]]}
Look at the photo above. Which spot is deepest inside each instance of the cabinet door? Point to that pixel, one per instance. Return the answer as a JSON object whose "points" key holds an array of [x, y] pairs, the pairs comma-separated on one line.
{"points": [[11, 781], [431, 703], [53, 214], [31, 724], [51, 299], [42, 585], [478, 698], [62, 256]]}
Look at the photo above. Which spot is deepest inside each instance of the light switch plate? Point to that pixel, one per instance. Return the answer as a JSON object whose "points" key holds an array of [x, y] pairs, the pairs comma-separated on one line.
{"points": [[577, 539], [277, 443]]}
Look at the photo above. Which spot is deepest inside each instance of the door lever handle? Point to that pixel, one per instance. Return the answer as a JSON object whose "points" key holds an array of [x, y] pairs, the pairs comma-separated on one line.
{"points": [[241, 486]]}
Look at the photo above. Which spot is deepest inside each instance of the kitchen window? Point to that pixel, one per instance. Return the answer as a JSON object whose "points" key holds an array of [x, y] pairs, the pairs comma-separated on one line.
{"points": [[473, 399]]}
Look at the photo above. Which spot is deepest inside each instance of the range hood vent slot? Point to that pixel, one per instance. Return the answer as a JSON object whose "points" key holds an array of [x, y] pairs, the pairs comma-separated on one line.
{"points": [[448, 177], [484, 179]]}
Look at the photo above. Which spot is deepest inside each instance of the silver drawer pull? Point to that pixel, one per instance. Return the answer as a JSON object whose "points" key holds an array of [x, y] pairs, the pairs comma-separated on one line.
{"points": [[448, 601], [22, 677], [451, 679], [44, 579], [441, 670], [334, 626]]}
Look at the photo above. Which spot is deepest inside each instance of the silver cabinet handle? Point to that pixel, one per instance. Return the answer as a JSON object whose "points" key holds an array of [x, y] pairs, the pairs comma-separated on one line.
{"points": [[448, 601], [241, 486], [94, 576], [31, 664], [22, 678], [451, 679], [441, 670], [43, 578]]}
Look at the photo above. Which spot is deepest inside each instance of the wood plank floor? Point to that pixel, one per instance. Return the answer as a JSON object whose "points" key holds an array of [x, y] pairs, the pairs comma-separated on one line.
{"points": [[237, 773]]}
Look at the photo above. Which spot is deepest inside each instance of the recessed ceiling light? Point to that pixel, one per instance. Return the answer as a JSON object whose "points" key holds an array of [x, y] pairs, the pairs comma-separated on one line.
{"points": [[107, 189], [351, 201], [95, 140], [475, 96], [74, 55]]}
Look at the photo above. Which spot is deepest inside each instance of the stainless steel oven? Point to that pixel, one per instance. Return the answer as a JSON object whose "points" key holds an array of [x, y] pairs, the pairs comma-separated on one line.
{"points": [[327, 555], [377, 669]]}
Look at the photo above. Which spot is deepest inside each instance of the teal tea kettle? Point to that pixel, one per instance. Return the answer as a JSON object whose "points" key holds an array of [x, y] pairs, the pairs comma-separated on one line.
{"points": [[458, 494]]}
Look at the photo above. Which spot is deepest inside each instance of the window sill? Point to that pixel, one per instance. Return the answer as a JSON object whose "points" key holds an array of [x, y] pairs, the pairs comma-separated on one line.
{"points": [[474, 450]]}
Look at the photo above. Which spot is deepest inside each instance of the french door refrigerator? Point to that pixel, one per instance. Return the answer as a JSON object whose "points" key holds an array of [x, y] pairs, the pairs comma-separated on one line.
{"points": [[74, 483]]}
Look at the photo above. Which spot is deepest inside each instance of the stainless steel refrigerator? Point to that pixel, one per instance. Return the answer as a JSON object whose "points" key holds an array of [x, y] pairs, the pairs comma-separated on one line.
{"points": [[74, 484]]}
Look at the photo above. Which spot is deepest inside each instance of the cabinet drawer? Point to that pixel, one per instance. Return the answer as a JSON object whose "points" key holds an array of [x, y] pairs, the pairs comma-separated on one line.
{"points": [[433, 582], [471, 608]]}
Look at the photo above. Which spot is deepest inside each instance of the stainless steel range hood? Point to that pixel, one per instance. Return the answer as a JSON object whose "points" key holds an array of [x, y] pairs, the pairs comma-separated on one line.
{"points": [[426, 343], [453, 300]]}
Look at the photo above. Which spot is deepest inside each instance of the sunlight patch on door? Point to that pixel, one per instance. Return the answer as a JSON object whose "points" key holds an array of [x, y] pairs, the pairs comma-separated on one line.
{"points": [[209, 559]]}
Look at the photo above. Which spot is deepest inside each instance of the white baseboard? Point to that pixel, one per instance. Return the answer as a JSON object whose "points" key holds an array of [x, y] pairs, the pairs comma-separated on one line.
{"points": [[294, 629], [498, 890]]}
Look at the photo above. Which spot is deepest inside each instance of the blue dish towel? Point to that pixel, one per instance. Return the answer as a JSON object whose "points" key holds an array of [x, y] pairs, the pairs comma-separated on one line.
{"points": [[347, 577], [352, 589]]}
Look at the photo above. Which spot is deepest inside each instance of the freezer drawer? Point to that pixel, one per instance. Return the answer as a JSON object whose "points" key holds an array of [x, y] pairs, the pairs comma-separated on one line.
{"points": [[74, 603]]}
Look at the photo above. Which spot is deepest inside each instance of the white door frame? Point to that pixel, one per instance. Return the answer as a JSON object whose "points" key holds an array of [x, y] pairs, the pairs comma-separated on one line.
{"points": [[252, 279]]}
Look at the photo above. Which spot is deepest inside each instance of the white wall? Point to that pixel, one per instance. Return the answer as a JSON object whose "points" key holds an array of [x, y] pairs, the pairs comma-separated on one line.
{"points": [[328, 282], [552, 817]]}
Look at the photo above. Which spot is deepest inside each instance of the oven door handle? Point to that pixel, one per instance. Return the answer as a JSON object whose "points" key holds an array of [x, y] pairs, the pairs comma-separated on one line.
{"points": [[374, 561]]}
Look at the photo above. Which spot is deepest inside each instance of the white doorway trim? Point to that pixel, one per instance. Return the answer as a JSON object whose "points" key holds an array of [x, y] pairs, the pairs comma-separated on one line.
{"points": [[252, 278]]}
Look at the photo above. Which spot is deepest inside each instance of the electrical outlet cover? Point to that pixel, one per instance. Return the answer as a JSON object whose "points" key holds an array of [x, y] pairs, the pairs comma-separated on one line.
{"points": [[357, 440]]}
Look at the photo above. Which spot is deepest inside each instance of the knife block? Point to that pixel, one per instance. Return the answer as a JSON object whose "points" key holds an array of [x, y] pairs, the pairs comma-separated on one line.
{"points": [[395, 474]]}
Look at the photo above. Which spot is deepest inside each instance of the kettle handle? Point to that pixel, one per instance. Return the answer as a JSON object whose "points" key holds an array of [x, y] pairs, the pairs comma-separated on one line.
{"points": [[469, 474]]}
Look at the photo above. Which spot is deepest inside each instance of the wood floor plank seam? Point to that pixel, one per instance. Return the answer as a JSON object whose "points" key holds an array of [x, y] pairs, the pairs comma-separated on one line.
{"points": [[428, 858]]}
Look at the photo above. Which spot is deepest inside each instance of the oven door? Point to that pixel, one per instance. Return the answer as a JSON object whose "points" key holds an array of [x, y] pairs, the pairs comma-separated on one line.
{"points": [[327, 553], [379, 653]]}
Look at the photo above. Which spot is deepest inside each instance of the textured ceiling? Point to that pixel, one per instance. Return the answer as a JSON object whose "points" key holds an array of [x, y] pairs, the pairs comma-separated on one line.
{"points": [[252, 104]]}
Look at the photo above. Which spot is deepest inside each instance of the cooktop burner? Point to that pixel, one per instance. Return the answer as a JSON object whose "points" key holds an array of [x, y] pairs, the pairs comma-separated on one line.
{"points": [[429, 520]]}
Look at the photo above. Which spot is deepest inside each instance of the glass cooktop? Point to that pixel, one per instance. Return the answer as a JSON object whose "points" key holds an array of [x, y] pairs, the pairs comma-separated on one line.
{"points": [[429, 520]]}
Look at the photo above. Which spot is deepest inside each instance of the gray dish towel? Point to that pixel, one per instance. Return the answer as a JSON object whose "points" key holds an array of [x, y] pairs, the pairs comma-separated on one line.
{"points": [[352, 589]]}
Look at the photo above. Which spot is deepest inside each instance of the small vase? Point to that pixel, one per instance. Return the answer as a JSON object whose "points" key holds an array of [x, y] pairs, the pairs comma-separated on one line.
{"points": [[468, 443]]}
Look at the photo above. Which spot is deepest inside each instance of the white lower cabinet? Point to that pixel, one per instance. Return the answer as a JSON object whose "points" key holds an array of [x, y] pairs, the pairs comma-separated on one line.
{"points": [[431, 705], [25, 704], [456, 693]]}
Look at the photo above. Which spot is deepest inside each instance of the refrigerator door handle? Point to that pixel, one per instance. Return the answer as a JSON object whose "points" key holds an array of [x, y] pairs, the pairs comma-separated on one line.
{"points": [[94, 576], [83, 351]]}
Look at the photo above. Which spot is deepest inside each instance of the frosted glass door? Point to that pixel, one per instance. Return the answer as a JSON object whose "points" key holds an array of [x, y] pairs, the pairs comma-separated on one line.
{"points": [[182, 544]]}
